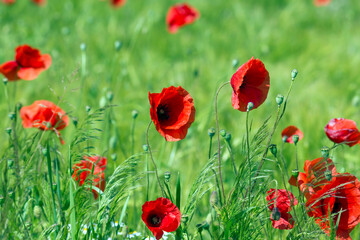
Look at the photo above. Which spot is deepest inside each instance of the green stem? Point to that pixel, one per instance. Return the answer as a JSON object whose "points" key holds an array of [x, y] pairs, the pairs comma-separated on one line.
{"points": [[248, 151], [51, 184]]}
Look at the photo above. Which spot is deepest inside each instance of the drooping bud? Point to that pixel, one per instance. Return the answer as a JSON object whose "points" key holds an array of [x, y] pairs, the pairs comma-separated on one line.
{"points": [[83, 47], [250, 106], [134, 114], [273, 149], [295, 173], [235, 63], [167, 176], [222, 133], [75, 121], [328, 175], [5, 81], [325, 152], [295, 139], [275, 214], [211, 132], [284, 139], [294, 73], [87, 109], [145, 147], [214, 198], [184, 218], [228, 137], [279, 99]]}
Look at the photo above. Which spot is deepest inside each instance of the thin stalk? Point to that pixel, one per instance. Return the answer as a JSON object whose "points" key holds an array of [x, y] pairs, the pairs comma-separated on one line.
{"points": [[152, 159], [248, 151], [51, 184], [56, 161], [286, 99], [210, 145], [228, 146], [218, 137]]}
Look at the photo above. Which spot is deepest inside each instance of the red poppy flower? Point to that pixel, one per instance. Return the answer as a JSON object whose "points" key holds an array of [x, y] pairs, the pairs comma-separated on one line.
{"points": [[180, 15], [172, 112], [289, 132], [340, 130], [250, 83], [285, 222], [314, 178], [39, 2], [161, 215], [8, 2], [28, 64], [339, 198], [82, 172], [44, 115], [118, 3], [284, 200], [320, 3]]}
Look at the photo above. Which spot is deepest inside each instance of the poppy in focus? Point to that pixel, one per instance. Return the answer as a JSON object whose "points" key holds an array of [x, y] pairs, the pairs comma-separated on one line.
{"points": [[340, 130], [288, 133], [172, 112], [320, 3], [28, 64], [161, 215], [83, 170], [338, 198], [118, 3], [180, 15], [44, 115], [250, 83]]}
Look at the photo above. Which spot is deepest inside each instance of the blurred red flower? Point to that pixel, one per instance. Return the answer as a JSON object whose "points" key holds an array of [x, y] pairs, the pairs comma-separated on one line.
{"points": [[82, 172], [250, 83], [8, 2], [285, 222], [320, 3], [172, 112], [28, 64], [44, 115], [118, 3], [180, 15], [313, 179], [161, 215], [340, 130], [338, 198], [289, 132], [39, 2]]}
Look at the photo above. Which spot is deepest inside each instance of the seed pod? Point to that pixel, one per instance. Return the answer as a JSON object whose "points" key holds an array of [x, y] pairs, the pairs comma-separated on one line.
{"points": [[134, 114], [167, 176], [37, 211], [279, 99], [296, 139], [295, 173], [250, 106], [145, 147], [325, 152], [211, 132], [222, 133], [294, 73], [275, 214], [228, 137]]}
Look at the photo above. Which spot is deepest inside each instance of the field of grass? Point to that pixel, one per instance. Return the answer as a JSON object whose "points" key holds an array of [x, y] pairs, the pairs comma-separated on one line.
{"points": [[322, 43]]}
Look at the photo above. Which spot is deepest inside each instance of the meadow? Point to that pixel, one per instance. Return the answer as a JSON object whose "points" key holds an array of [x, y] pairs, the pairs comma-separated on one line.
{"points": [[106, 60]]}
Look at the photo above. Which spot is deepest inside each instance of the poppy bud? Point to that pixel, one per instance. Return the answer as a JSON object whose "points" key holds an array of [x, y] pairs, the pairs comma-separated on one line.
{"points": [[2, 200], [118, 45], [37, 211], [296, 139], [222, 133], [134, 114], [228, 137], [295, 173], [275, 214], [102, 102], [113, 142], [167, 176], [83, 46], [184, 218], [202, 226], [211, 132], [250, 106], [8, 130], [110, 96], [214, 198], [87, 109], [328, 175], [44, 151], [11, 115], [5, 81], [145, 147], [325, 152], [75, 121], [294, 73], [235, 63], [279, 99], [18, 106], [284, 138], [113, 156], [10, 163], [273, 149], [47, 124]]}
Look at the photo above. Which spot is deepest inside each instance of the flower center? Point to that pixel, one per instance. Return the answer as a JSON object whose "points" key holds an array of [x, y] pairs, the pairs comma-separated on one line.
{"points": [[154, 220], [163, 112]]}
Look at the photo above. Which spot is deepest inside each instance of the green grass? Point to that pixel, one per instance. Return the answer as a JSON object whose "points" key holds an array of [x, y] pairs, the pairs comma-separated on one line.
{"points": [[322, 43]]}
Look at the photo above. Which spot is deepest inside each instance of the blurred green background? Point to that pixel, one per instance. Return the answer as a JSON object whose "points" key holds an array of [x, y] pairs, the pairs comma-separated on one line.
{"points": [[321, 42]]}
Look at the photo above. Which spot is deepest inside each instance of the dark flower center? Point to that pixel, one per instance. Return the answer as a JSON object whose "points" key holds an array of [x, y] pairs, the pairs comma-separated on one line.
{"points": [[163, 112], [154, 220], [336, 207]]}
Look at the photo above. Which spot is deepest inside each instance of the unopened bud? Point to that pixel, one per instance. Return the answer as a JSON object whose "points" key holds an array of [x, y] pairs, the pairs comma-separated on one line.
{"points": [[37, 211], [228, 137], [211, 132], [11, 115], [145, 147], [250, 106], [222, 133], [294, 73], [199, 227], [167, 176], [8, 130], [87, 109], [134, 114], [295, 139], [110, 96], [5, 81], [18, 106], [328, 175], [10, 163], [113, 156], [214, 198], [44, 151], [275, 214], [235, 63], [184, 218], [325, 152], [273, 149], [83, 46], [295, 173], [75, 121], [118, 45], [285, 138], [279, 99]]}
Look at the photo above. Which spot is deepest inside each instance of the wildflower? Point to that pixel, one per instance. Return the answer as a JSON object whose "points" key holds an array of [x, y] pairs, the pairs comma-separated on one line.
{"points": [[161, 215], [28, 64], [320, 3], [45, 116], [250, 83], [84, 169], [289, 132], [39, 2], [340, 130], [340, 198], [180, 15], [172, 112], [118, 3]]}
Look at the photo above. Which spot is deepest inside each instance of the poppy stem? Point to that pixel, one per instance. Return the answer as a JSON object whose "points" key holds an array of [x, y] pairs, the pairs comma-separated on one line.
{"points": [[152, 159], [218, 138], [248, 151]]}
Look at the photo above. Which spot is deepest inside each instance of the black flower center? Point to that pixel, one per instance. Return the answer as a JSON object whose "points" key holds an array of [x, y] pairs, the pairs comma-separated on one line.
{"points": [[336, 207], [163, 112], [154, 220]]}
